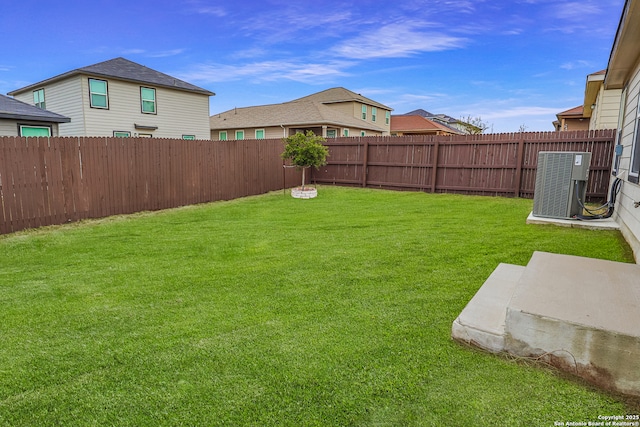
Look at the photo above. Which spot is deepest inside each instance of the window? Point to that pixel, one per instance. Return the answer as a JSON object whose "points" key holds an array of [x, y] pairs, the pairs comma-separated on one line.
{"points": [[634, 171], [35, 130], [121, 134], [38, 98], [363, 133], [345, 132], [331, 133], [239, 134], [148, 100], [374, 113], [222, 136], [387, 117], [98, 94], [189, 137], [259, 133], [364, 112]]}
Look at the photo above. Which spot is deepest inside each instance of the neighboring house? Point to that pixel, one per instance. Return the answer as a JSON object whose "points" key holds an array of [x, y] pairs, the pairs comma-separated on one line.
{"points": [[600, 105], [20, 119], [121, 98], [417, 125], [331, 113], [623, 73], [458, 125], [571, 119]]}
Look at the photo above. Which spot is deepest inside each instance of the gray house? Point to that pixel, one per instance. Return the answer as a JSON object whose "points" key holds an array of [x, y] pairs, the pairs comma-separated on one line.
{"points": [[20, 119], [119, 97]]}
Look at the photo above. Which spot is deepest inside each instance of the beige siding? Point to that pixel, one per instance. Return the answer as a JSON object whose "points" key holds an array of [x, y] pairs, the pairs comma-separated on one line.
{"points": [[9, 127], [62, 98], [607, 108], [626, 214], [178, 113]]}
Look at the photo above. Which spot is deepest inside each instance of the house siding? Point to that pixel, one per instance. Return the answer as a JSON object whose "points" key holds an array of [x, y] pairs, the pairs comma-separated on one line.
{"points": [[607, 109], [626, 214], [62, 98]]}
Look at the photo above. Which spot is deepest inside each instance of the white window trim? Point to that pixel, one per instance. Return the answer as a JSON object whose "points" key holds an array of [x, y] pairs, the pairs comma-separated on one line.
{"points": [[142, 100], [225, 133], [41, 101], [263, 133], [345, 132], [364, 112], [36, 127], [236, 134], [374, 114], [128, 134]]}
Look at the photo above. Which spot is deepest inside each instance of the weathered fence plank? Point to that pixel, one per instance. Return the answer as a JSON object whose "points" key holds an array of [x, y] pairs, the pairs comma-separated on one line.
{"points": [[47, 181]]}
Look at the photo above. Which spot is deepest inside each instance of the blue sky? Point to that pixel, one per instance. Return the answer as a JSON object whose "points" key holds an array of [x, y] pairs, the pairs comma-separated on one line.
{"points": [[512, 63]]}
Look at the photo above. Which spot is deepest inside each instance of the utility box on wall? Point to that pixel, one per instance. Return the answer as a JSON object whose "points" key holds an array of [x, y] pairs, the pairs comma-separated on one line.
{"points": [[561, 184]]}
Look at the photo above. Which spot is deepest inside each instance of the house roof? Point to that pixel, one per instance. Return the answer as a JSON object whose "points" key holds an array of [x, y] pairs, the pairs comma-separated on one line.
{"points": [[625, 52], [419, 112], [340, 94], [123, 69], [576, 112], [308, 110], [406, 123], [17, 110], [591, 90], [287, 113]]}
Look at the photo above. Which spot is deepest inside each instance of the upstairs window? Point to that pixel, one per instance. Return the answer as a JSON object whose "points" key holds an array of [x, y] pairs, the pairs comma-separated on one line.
{"points": [[364, 112], [148, 100], [374, 113], [38, 98], [387, 117], [98, 95]]}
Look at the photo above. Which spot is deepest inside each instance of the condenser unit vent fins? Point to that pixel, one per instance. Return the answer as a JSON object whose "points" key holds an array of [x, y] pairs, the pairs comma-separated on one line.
{"points": [[555, 191]]}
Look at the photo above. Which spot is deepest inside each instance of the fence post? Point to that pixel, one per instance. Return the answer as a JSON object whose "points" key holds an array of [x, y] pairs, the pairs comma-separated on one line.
{"points": [[365, 166], [519, 165], [434, 162]]}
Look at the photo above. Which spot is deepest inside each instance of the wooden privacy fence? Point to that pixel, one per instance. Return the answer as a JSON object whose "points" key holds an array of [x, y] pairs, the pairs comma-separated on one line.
{"points": [[492, 164], [45, 181]]}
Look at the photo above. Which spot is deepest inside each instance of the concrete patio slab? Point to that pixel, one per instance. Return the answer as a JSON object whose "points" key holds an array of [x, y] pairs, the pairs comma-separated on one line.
{"points": [[579, 314], [482, 322], [592, 224]]}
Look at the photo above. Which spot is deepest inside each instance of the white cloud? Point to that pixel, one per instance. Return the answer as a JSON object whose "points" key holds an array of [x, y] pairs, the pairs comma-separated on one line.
{"points": [[397, 40], [268, 71], [166, 53]]}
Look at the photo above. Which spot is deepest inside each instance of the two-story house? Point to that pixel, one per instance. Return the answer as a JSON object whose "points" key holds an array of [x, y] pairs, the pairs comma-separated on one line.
{"points": [[20, 119], [119, 97], [330, 113]]}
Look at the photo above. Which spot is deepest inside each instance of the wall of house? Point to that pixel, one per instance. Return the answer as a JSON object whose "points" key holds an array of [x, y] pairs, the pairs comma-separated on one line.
{"points": [[178, 112], [607, 109], [9, 127], [626, 214], [62, 97]]}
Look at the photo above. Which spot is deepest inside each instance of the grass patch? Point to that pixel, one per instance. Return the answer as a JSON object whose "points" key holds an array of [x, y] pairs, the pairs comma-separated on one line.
{"points": [[276, 311]]}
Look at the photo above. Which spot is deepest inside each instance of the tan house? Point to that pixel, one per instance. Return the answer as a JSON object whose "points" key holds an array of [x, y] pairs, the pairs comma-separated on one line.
{"points": [[20, 119], [331, 113], [571, 119], [600, 105], [119, 97], [402, 125], [623, 73]]}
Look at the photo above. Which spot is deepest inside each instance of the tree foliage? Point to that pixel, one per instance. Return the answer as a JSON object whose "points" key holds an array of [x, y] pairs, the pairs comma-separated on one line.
{"points": [[305, 150]]}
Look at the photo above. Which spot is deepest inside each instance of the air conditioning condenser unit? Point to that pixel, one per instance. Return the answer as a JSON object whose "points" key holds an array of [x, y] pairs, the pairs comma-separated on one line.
{"points": [[561, 184]]}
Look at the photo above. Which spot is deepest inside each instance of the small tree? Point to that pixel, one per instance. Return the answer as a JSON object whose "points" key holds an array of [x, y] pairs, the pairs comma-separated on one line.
{"points": [[305, 150]]}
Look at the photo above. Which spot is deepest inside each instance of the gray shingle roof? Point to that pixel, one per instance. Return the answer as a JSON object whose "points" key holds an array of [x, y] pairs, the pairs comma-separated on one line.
{"points": [[17, 110], [123, 69], [288, 113], [340, 94]]}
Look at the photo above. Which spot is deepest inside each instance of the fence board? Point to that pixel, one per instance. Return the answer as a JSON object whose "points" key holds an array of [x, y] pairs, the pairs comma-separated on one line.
{"points": [[47, 181]]}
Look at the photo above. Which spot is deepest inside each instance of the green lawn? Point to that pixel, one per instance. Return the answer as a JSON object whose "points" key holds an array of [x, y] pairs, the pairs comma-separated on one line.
{"points": [[273, 311]]}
